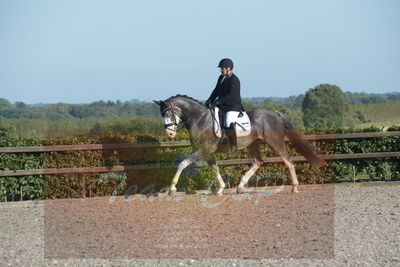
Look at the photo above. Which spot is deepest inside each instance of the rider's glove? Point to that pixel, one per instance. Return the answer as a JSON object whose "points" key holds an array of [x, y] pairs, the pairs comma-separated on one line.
{"points": [[208, 103], [217, 102]]}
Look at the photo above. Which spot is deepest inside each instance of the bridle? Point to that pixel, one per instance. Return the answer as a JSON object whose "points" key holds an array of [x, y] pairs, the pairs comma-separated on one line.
{"points": [[174, 122]]}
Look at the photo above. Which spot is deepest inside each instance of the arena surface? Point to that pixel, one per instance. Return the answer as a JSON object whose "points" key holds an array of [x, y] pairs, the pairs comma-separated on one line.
{"points": [[340, 224]]}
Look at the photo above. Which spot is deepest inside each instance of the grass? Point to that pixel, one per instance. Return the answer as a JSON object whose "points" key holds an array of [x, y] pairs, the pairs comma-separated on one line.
{"points": [[381, 115]]}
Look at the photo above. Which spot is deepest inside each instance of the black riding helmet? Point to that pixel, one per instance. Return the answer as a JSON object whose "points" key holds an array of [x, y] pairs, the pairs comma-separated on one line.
{"points": [[226, 63]]}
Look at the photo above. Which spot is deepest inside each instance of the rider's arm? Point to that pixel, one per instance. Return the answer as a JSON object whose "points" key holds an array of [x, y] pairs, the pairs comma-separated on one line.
{"points": [[215, 93], [211, 99]]}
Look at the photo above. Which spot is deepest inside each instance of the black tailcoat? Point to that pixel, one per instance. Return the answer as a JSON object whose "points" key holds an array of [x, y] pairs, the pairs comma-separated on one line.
{"points": [[228, 93]]}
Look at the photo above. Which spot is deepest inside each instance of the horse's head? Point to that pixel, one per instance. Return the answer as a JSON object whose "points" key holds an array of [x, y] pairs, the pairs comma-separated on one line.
{"points": [[171, 115]]}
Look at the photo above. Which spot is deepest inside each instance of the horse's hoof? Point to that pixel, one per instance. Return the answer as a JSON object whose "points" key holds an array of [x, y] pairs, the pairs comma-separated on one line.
{"points": [[295, 191], [172, 192], [219, 194], [240, 190]]}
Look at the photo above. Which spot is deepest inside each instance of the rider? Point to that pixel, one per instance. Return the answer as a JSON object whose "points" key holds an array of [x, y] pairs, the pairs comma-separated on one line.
{"points": [[226, 96]]}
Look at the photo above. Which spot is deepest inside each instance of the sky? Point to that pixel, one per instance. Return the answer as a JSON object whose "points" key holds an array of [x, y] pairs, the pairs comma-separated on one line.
{"points": [[80, 51]]}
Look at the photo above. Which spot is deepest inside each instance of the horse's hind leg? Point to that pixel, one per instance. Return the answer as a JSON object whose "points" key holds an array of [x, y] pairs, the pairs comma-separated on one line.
{"points": [[277, 143], [254, 152], [289, 163]]}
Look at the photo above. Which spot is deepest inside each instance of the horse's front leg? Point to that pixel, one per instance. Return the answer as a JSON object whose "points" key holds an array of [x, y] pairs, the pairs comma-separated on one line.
{"points": [[186, 162], [212, 162]]}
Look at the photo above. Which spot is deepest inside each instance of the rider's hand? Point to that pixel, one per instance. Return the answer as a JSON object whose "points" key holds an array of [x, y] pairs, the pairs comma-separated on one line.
{"points": [[208, 103], [217, 102]]}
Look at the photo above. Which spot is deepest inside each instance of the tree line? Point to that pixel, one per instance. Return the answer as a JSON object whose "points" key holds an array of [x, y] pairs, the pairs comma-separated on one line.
{"points": [[102, 109], [296, 101], [98, 109], [325, 106]]}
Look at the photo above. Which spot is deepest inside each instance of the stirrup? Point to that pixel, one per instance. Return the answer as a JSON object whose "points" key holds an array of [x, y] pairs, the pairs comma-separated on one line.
{"points": [[233, 149], [232, 145]]}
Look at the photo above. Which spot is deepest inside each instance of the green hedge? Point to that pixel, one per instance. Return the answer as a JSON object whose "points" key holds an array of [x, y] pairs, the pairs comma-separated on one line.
{"points": [[70, 185], [381, 168], [25, 187]]}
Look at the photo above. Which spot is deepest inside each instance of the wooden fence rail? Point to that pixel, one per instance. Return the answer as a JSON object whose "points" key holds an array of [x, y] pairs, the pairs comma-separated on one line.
{"points": [[158, 166], [180, 144], [54, 148]]}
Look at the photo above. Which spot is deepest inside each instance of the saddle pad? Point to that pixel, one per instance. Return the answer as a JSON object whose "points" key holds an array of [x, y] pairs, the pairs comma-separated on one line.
{"points": [[217, 125], [241, 122]]}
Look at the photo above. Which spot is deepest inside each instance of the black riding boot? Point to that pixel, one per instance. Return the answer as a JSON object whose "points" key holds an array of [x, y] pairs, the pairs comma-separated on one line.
{"points": [[231, 134]]}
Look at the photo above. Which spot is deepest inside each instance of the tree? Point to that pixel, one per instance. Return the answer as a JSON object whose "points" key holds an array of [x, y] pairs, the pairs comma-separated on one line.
{"points": [[293, 116], [7, 109], [248, 105], [325, 107], [6, 129]]}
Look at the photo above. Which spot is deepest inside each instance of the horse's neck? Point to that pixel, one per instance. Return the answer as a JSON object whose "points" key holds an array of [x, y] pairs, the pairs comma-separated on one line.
{"points": [[192, 115]]}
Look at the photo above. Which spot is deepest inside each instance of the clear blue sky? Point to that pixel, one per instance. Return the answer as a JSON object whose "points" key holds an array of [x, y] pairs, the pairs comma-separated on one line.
{"points": [[79, 51]]}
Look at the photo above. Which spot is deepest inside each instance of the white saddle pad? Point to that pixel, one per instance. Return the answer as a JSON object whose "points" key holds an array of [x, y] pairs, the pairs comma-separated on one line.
{"points": [[217, 125], [241, 122], [240, 119]]}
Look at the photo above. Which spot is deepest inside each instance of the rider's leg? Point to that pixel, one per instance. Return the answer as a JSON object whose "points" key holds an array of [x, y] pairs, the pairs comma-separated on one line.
{"points": [[230, 119]]}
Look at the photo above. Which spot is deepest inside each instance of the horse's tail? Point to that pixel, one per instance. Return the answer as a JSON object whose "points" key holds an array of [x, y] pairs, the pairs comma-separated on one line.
{"points": [[304, 147]]}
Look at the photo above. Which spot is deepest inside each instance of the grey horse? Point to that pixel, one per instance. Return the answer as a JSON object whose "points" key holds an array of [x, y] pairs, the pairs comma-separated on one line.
{"points": [[267, 127]]}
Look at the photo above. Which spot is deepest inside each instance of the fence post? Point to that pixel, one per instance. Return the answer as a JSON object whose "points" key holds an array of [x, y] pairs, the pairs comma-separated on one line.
{"points": [[83, 184], [83, 178]]}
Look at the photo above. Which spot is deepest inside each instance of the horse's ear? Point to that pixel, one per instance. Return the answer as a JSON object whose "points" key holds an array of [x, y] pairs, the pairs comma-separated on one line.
{"points": [[158, 102]]}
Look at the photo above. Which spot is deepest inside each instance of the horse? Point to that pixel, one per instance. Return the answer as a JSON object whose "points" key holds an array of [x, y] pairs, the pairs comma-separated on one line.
{"points": [[267, 127]]}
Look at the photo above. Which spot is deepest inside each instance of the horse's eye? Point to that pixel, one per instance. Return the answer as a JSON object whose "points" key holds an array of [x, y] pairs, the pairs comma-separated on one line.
{"points": [[167, 114]]}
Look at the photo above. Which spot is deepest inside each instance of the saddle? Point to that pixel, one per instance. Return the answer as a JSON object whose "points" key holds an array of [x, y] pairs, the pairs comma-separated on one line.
{"points": [[238, 119]]}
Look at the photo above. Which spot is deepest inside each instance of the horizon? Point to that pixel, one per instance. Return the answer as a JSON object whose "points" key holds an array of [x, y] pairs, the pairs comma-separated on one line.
{"points": [[151, 101], [85, 51]]}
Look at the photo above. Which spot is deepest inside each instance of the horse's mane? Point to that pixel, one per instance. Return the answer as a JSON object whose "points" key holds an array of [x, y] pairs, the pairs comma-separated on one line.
{"points": [[186, 97]]}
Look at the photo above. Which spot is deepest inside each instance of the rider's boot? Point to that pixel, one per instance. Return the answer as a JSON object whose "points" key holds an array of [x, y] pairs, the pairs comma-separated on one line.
{"points": [[231, 138]]}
